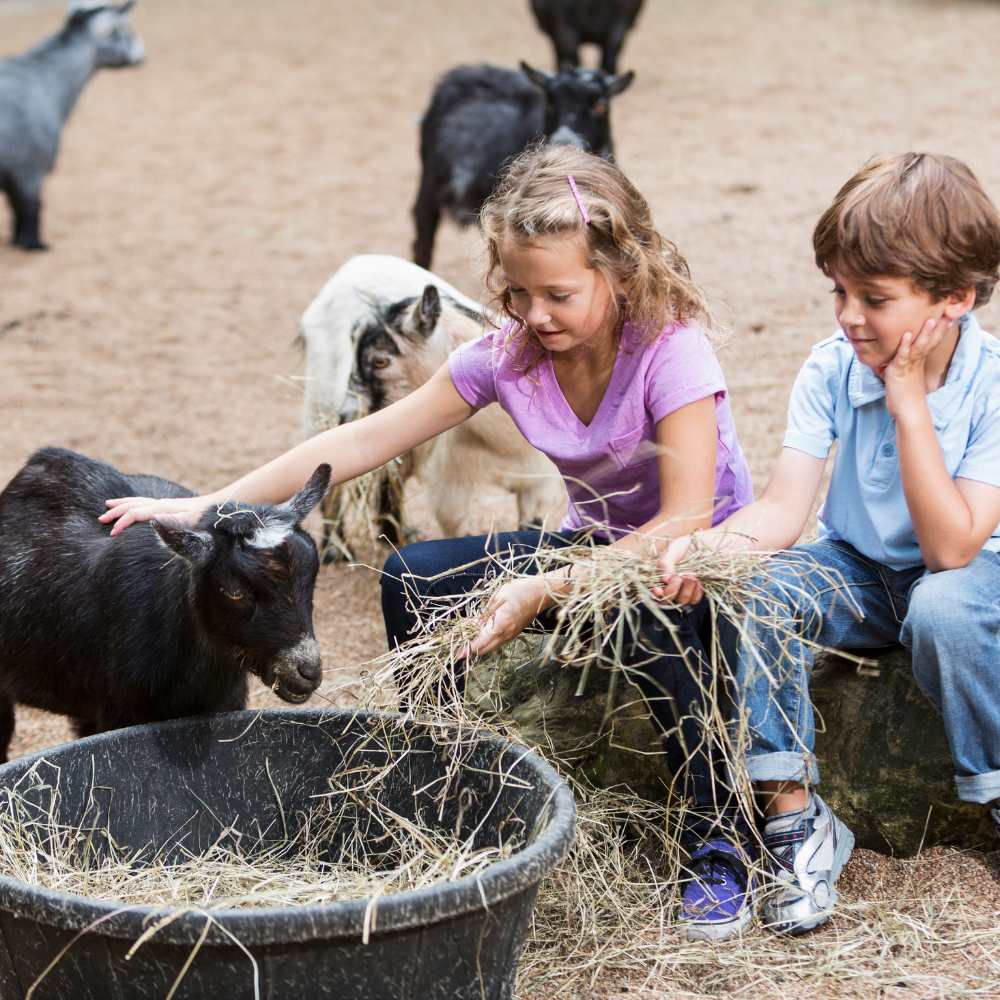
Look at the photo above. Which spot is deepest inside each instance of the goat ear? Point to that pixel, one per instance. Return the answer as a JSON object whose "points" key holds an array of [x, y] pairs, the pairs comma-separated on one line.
{"points": [[195, 547], [536, 76], [427, 311], [310, 495], [124, 8], [619, 82]]}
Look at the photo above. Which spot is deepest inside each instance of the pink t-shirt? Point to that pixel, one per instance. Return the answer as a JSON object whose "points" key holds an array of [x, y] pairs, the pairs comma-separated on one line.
{"points": [[610, 465]]}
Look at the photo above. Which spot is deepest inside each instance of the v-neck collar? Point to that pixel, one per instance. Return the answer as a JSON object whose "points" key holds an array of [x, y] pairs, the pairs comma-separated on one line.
{"points": [[549, 368]]}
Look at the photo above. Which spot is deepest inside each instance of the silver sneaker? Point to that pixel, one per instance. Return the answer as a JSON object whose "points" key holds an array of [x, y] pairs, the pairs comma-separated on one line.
{"points": [[807, 851]]}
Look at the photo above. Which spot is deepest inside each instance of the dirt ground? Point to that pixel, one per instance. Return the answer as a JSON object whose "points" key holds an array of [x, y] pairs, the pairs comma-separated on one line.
{"points": [[201, 201]]}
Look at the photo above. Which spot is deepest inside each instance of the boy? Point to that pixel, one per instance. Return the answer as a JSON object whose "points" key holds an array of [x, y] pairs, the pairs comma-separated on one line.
{"points": [[909, 388]]}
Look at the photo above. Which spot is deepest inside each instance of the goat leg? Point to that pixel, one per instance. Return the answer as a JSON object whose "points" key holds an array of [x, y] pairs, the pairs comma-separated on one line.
{"points": [[6, 726], [84, 727], [27, 209], [390, 512], [426, 217], [611, 49], [566, 42]]}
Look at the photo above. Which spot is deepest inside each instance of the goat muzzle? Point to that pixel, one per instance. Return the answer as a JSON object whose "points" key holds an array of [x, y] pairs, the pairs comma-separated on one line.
{"points": [[297, 672]]}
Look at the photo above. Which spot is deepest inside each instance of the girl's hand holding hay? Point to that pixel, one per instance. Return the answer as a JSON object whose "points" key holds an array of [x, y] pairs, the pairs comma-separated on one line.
{"points": [[517, 603], [509, 612], [677, 587]]}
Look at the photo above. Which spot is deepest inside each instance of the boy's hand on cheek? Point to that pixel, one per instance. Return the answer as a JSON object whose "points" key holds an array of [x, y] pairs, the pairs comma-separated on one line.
{"points": [[905, 376]]}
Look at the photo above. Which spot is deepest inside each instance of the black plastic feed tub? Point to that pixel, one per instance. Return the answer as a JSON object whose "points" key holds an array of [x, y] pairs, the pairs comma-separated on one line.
{"points": [[191, 778]]}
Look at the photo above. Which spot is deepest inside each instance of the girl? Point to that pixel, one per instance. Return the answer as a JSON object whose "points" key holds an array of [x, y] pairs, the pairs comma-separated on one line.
{"points": [[604, 368]]}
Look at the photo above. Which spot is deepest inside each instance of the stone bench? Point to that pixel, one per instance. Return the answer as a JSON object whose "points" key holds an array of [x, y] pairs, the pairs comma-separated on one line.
{"points": [[882, 751]]}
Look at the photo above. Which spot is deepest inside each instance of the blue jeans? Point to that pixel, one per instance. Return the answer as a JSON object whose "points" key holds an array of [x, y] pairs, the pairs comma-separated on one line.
{"points": [[671, 671], [949, 621]]}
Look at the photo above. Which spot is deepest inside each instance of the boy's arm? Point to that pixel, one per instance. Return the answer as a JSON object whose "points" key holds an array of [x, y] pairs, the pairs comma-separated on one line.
{"points": [[779, 517], [773, 522], [952, 517]]}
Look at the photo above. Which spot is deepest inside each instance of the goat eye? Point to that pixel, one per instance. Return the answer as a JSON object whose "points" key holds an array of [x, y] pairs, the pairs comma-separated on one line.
{"points": [[380, 362], [601, 107], [233, 595]]}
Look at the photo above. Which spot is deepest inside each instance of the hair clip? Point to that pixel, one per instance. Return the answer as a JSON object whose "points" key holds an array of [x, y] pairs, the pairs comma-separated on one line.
{"points": [[579, 201]]}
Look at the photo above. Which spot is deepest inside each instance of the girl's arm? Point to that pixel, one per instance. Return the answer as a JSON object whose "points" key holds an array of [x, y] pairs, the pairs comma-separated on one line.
{"points": [[350, 449], [687, 441]]}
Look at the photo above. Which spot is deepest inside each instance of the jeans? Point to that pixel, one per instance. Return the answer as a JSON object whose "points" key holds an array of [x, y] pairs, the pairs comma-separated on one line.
{"points": [[949, 621], [671, 670]]}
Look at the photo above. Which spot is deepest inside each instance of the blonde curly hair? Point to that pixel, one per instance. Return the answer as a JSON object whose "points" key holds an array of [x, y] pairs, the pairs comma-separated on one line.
{"points": [[534, 198]]}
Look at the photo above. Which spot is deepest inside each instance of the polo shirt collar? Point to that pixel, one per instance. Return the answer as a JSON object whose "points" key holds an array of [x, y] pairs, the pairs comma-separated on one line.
{"points": [[864, 386]]}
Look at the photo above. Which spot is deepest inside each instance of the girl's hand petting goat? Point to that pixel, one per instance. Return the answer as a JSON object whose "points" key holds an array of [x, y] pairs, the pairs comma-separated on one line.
{"points": [[183, 512]]}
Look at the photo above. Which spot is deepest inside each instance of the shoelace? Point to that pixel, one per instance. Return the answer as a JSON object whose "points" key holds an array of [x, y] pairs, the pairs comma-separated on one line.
{"points": [[713, 866], [781, 845]]}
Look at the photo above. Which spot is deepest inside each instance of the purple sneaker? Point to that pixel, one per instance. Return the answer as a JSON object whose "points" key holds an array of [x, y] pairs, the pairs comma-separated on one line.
{"points": [[717, 901]]}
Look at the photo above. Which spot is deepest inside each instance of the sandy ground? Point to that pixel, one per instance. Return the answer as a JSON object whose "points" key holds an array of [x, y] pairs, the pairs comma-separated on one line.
{"points": [[201, 201]]}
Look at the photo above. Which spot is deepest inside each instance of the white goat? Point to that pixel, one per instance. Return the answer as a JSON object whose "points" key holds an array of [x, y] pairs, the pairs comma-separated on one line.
{"points": [[378, 329]]}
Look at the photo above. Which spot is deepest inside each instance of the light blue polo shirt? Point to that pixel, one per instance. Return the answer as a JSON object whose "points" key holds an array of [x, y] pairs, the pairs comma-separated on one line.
{"points": [[838, 399]]}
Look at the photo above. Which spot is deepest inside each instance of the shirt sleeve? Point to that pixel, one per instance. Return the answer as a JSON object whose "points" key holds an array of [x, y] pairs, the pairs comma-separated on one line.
{"points": [[812, 425], [683, 369], [981, 461], [473, 371]]}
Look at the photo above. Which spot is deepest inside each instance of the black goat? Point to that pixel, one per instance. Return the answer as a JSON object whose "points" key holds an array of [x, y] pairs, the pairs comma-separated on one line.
{"points": [[569, 23], [482, 116], [159, 622]]}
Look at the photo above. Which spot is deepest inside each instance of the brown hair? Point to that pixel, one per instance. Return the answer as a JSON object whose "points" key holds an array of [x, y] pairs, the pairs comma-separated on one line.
{"points": [[916, 215], [534, 199]]}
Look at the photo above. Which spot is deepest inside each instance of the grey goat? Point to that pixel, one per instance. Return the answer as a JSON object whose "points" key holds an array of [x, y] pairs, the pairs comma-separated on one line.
{"points": [[37, 93]]}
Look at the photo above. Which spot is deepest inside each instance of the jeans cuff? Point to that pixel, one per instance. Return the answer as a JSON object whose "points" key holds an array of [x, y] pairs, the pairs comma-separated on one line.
{"points": [[980, 788], [783, 765]]}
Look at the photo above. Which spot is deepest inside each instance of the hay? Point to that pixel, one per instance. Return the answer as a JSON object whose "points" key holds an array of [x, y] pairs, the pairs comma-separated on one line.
{"points": [[237, 871], [605, 920], [604, 923], [351, 513]]}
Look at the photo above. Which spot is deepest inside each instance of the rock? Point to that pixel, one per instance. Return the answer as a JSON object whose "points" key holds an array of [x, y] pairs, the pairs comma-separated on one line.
{"points": [[539, 695], [884, 760]]}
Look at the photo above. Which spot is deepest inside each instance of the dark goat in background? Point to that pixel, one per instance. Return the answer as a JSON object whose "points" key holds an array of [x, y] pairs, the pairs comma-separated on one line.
{"points": [[482, 116], [570, 23], [39, 89], [159, 622]]}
